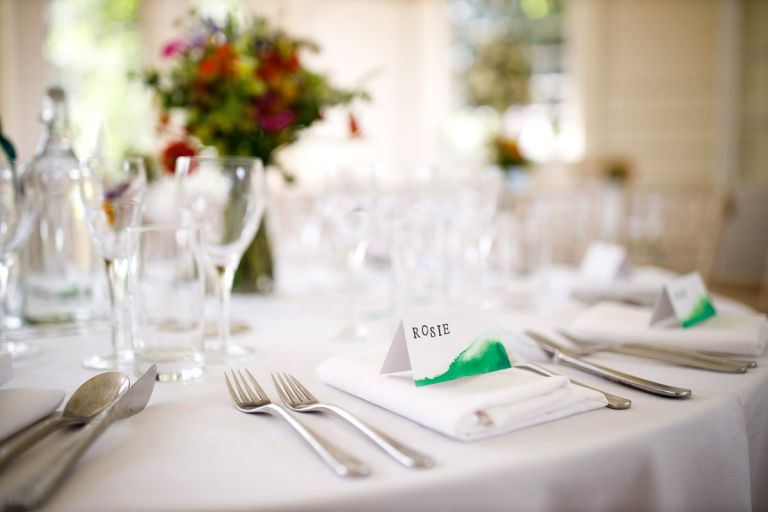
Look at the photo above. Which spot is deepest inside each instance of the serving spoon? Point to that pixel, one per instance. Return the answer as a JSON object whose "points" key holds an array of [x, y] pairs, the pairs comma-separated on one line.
{"points": [[91, 398]]}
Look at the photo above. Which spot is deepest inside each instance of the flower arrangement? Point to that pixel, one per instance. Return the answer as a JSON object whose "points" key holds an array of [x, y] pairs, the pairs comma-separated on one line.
{"points": [[243, 89]]}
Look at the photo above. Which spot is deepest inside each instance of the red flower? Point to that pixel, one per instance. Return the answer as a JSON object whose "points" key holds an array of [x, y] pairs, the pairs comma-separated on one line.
{"points": [[292, 63], [270, 68], [173, 151]]}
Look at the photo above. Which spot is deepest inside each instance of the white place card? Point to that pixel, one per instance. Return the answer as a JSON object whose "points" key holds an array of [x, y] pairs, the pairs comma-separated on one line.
{"points": [[604, 262], [443, 347], [684, 301]]}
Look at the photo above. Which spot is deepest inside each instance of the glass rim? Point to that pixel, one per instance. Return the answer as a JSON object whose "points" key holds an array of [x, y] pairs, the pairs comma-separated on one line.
{"points": [[159, 228], [184, 163], [213, 158], [115, 156]]}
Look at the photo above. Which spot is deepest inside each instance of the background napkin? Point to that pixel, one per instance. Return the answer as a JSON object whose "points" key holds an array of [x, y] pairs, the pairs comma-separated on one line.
{"points": [[466, 409], [643, 285], [729, 332], [20, 407]]}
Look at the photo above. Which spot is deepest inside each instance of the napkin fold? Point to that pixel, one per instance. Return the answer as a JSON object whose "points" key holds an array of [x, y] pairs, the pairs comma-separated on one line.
{"points": [[20, 407], [729, 332], [466, 409]]}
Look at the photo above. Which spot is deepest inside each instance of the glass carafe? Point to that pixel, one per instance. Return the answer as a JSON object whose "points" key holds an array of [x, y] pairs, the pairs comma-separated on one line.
{"points": [[61, 273]]}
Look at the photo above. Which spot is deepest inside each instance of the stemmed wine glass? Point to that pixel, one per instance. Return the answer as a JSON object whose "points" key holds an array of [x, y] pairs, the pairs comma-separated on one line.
{"points": [[18, 206], [226, 197], [348, 208], [113, 191]]}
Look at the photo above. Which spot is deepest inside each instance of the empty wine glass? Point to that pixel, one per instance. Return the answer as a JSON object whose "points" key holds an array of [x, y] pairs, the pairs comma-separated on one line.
{"points": [[112, 190], [348, 208], [226, 197], [18, 206]]}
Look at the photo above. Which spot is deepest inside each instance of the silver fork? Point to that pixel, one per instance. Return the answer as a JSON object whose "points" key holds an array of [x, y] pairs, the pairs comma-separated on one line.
{"points": [[664, 354], [614, 401], [253, 400], [298, 398]]}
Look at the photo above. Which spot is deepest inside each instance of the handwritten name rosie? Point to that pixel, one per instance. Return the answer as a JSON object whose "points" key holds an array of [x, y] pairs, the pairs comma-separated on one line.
{"points": [[430, 331]]}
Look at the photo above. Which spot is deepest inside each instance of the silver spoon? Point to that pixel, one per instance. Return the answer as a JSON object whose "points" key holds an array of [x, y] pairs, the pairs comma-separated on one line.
{"points": [[92, 397]]}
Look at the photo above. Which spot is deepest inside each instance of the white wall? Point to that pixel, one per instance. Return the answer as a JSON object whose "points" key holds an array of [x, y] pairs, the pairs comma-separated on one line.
{"points": [[651, 77], [23, 73], [659, 84]]}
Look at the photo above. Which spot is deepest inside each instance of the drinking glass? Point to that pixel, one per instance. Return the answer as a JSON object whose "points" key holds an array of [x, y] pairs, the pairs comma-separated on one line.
{"points": [[18, 206], [226, 197], [112, 190], [349, 211], [168, 291]]}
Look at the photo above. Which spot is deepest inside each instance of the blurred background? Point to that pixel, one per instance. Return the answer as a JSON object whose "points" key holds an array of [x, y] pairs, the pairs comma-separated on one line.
{"points": [[639, 122]]}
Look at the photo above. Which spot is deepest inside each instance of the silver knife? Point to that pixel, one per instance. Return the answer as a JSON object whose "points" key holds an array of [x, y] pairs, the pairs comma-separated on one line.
{"points": [[664, 354], [41, 487], [560, 354]]}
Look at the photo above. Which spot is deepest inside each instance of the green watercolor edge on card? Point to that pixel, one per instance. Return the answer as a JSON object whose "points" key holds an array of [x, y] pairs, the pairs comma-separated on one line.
{"points": [[482, 356], [702, 310]]}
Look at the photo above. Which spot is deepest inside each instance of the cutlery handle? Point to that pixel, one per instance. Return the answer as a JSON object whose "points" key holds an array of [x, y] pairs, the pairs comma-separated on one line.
{"points": [[676, 358], [614, 401], [400, 452], [341, 462], [624, 378], [25, 439], [736, 365], [39, 489]]}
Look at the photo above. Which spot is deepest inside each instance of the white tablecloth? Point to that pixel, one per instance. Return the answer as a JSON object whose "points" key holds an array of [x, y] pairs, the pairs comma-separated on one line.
{"points": [[191, 450]]}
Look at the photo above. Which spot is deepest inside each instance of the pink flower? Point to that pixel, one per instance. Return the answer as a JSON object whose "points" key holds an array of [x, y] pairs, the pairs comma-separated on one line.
{"points": [[173, 48], [274, 122]]}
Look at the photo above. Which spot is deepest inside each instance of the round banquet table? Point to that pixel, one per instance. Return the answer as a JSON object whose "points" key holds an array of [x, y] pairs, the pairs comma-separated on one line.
{"points": [[190, 450]]}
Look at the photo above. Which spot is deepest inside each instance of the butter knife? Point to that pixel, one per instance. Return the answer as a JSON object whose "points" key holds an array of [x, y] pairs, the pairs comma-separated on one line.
{"points": [[40, 488], [564, 355], [664, 354]]}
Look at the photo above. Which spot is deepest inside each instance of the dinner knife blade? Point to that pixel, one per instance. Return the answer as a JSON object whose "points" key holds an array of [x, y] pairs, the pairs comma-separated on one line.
{"points": [[564, 355]]}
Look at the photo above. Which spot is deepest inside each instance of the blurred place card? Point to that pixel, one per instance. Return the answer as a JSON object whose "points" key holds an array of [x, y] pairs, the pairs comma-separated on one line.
{"points": [[605, 262], [684, 301], [439, 348]]}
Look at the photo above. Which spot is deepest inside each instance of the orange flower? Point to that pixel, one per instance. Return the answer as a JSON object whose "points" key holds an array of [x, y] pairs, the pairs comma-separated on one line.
{"points": [[221, 62], [106, 207], [354, 126]]}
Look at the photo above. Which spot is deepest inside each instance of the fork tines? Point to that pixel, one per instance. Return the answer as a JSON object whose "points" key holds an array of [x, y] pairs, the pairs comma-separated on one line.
{"points": [[246, 394], [292, 391]]}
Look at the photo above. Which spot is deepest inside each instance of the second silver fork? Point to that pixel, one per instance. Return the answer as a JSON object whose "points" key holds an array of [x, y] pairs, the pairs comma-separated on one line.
{"points": [[251, 399], [298, 398]]}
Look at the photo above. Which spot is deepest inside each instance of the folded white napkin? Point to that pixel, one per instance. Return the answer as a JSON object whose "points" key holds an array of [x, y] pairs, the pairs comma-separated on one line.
{"points": [[729, 332], [6, 368], [467, 409], [642, 284], [20, 407]]}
